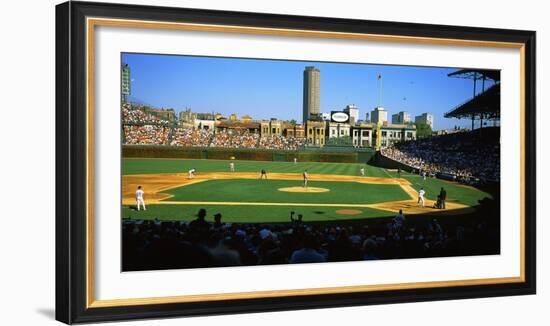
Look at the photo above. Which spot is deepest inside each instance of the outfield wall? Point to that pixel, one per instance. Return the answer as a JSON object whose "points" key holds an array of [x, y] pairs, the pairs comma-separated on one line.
{"points": [[310, 155]]}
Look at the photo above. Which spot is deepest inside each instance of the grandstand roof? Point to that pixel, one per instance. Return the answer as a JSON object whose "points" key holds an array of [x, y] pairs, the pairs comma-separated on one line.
{"points": [[486, 103], [476, 73]]}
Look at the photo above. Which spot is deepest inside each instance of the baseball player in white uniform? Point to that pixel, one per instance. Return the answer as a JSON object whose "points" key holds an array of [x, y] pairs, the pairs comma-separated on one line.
{"points": [[139, 198], [191, 173], [295, 160], [305, 178], [232, 167], [362, 171], [421, 196]]}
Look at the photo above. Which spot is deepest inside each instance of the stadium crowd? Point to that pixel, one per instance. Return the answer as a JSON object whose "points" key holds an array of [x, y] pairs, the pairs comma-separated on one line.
{"points": [[153, 244], [191, 137], [235, 139], [146, 135], [135, 115], [463, 155], [142, 128], [281, 142]]}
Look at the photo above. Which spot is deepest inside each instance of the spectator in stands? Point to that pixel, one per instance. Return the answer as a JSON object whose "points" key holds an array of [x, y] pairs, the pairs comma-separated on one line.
{"points": [[199, 224], [218, 221], [308, 253], [158, 245], [469, 157]]}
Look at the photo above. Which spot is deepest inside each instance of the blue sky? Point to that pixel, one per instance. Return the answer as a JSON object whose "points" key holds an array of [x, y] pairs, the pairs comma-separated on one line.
{"points": [[273, 88]]}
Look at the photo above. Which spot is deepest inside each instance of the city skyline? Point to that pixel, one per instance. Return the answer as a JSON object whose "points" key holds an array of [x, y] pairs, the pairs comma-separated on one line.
{"points": [[267, 89]]}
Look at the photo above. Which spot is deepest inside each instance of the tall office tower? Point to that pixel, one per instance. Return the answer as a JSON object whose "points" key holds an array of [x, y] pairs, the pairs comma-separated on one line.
{"points": [[353, 111], [312, 93], [401, 118], [426, 118], [379, 115]]}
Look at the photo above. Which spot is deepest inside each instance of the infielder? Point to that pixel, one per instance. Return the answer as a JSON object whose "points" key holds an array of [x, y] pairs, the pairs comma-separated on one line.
{"points": [[139, 198], [305, 175], [191, 173], [362, 171], [421, 196], [232, 167], [263, 175]]}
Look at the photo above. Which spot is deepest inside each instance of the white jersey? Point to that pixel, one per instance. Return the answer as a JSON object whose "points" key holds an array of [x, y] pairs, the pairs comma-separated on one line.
{"points": [[191, 171], [139, 194], [421, 193]]}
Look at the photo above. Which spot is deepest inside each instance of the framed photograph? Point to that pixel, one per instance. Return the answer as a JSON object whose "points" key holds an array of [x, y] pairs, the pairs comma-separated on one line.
{"points": [[214, 162]]}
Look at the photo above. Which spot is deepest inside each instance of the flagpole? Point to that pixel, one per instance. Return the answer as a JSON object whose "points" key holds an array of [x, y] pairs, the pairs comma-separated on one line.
{"points": [[380, 96]]}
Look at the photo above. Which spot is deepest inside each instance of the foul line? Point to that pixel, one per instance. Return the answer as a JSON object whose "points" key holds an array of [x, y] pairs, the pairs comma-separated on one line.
{"points": [[259, 204]]}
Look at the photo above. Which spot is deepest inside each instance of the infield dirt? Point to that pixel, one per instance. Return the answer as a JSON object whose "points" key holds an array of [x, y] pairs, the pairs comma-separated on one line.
{"points": [[155, 184]]}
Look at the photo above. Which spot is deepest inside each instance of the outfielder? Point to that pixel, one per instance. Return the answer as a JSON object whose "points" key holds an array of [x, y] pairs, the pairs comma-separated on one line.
{"points": [[362, 171], [139, 198], [232, 167], [421, 196]]}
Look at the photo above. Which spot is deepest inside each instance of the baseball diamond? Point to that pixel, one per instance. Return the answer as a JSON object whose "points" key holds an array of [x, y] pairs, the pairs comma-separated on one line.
{"points": [[243, 197]]}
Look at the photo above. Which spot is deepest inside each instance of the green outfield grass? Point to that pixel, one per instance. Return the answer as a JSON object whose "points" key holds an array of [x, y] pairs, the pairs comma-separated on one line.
{"points": [[244, 214], [256, 190], [149, 166]]}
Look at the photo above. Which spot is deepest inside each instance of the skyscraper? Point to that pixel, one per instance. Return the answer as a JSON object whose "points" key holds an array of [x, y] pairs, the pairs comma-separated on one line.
{"points": [[426, 118], [401, 117], [312, 93], [379, 115], [353, 112]]}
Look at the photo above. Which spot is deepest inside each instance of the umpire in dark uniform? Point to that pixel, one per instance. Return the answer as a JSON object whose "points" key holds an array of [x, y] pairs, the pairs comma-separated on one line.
{"points": [[442, 197]]}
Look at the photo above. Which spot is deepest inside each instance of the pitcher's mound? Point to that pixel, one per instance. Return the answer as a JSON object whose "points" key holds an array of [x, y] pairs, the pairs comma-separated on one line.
{"points": [[302, 189], [348, 211]]}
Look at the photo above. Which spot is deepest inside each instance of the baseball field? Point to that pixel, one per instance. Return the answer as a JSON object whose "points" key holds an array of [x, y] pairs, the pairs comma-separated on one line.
{"points": [[335, 191]]}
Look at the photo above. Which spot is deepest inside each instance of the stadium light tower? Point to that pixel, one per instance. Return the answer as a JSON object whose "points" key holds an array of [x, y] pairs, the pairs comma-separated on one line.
{"points": [[126, 82]]}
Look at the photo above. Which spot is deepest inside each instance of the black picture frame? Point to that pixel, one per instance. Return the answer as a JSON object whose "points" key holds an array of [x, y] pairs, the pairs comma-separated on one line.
{"points": [[71, 155]]}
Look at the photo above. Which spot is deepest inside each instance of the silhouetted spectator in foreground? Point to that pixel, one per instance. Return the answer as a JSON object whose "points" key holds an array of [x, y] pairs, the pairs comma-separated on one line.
{"points": [[199, 225], [308, 254]]}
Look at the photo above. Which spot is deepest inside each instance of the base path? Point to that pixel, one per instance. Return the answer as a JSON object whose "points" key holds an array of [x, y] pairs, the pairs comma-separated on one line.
{"points": [[303, 189], [154, 184]]}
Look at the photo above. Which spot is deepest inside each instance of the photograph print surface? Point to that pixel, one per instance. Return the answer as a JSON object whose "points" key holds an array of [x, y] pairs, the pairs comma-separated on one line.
{"points": [[241, 162]]}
